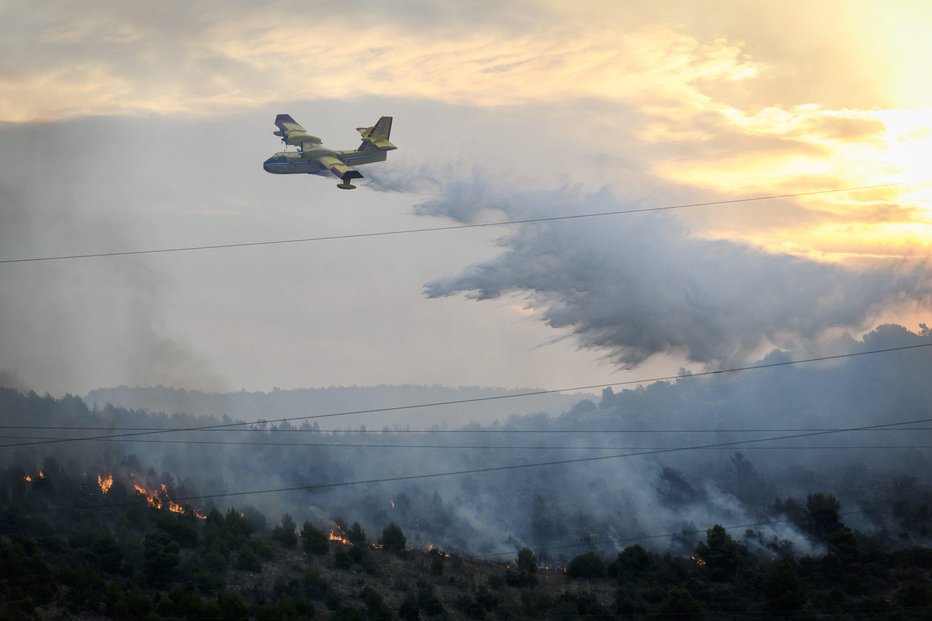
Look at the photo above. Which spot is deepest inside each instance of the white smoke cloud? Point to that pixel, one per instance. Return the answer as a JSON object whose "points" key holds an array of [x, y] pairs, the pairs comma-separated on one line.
{"points": [[643, 284]]}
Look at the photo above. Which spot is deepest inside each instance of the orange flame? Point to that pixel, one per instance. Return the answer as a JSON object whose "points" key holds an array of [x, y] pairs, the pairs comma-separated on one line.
{"points": [[338, 534], [698, 561], [28, 478], [160, 499], [105, 482]]}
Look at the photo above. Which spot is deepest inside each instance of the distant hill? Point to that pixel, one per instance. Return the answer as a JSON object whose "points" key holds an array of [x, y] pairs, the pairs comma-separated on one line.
{"points": [[277, 404]]}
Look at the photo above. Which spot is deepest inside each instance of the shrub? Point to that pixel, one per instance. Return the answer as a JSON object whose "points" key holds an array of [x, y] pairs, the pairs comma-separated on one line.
{"points": [[393, 538], [315, 541], [586, 566]]}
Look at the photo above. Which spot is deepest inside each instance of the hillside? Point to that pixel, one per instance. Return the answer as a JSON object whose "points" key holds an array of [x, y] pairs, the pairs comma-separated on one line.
{"points": [[243, 405], [87, 546]]}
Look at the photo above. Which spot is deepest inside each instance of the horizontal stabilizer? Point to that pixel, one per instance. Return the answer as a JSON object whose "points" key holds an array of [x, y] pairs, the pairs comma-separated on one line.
{"points": [[378, 135]]}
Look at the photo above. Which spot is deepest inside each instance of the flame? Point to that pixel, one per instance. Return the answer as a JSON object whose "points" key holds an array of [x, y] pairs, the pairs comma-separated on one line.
{"points": [[338, 534], [105, 482], [698, 561], [28, 478], [160, 499]]}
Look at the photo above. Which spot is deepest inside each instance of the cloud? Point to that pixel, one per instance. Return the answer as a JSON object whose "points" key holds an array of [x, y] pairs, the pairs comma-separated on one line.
{"points": [[198, 60], [636, 286]]}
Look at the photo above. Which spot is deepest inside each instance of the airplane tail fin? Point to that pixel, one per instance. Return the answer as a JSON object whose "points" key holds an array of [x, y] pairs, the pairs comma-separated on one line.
{"points": [[377, 136]]}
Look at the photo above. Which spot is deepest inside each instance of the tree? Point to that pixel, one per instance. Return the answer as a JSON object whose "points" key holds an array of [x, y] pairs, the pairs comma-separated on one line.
{"points": [[356, 535], [161, 558], [586, 566], [720, 553], [285, 533], [393, 538], [679, 604], [633, 564], [315, 541], [781, 587], [248, 558], [526, 561], [822, 510], [674, 488], [232, 608]]}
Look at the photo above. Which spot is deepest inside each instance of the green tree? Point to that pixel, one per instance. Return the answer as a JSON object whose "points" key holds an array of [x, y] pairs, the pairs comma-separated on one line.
{"points": [[107, 553], [161, 558], [376, 606], [633, 564], [248, 558], [314, 540], [720, 553], [232, 608], [286, 534], [356, 535], [781, 587], [822, 510], [679, 604], [587, 566], [526, 561], [393, 538]]}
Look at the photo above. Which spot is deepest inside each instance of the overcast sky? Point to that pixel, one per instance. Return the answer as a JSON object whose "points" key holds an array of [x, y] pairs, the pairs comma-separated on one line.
{"points": [[127, 126]]}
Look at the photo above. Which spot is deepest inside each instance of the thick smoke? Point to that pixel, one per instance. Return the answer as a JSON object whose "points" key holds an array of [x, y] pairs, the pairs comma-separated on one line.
{"points": [[640, 285], [684, 455]]}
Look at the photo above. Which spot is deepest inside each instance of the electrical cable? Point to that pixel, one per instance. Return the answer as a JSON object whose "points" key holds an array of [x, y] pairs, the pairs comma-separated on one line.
{"points": [[453, 226], [334, 432], [486, 447], [768, 365], [504, 468]]}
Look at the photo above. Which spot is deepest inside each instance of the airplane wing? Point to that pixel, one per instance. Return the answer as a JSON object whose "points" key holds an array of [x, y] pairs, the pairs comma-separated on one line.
{"points": [[292, 133], [340, 169]]}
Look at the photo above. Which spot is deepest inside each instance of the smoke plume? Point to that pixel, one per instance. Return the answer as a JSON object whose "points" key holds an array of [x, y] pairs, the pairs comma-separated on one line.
{"points": [[642, 284]]}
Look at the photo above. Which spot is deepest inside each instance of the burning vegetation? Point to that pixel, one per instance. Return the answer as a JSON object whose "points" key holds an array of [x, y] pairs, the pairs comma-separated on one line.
{"points": [[29, 478], [338, 534], [157, 497], [105, 482]]}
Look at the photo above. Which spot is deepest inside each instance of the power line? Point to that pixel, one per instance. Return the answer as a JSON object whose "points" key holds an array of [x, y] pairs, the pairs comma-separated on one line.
{"points": [[508, 467], [769, 365], [484, 447], [451, 227], [335, 432]]}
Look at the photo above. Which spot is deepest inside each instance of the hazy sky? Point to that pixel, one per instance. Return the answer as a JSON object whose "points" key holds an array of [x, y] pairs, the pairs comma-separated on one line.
{"points": [[144, 125]]}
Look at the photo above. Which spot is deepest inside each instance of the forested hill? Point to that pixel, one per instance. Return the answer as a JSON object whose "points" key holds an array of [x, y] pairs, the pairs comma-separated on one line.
{"points": [[243, 405], [92, 546]]}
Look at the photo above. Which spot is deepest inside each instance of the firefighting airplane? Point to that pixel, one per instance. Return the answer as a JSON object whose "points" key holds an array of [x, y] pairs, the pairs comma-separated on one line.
{"points": [[314, 159]]}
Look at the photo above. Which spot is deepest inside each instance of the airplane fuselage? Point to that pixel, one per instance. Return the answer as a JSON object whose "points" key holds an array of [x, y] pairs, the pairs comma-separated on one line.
{"points": [[292, 162], [308, 162]]}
